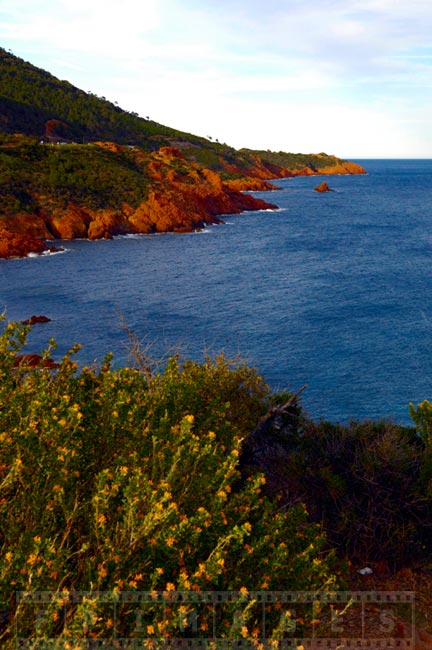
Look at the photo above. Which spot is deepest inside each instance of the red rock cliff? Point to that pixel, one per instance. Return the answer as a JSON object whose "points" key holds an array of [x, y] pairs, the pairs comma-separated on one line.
{"points": [[182, 197]]}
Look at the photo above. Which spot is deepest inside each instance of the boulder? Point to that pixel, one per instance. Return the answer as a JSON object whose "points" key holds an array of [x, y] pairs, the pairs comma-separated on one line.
{"points": [[34, 361], [35, 319], [16, 245], [323, 187]]}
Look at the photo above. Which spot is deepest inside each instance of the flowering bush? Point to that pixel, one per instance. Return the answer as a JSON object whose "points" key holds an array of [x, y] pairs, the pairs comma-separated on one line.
{"points": [[114, 480]]}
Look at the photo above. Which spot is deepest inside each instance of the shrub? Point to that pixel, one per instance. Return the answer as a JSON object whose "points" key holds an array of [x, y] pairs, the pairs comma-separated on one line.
{"points": [[114, 480], [365, 482]]}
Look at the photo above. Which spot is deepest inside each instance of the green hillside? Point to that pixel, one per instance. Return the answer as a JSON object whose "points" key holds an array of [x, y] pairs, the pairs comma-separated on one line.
{"points": [[34, 102], [31, 97], [296, 161], [32, 176]]}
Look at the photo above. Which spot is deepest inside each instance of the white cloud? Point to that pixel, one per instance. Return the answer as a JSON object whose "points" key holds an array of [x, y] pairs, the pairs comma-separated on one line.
{"points": [[99, 26]]}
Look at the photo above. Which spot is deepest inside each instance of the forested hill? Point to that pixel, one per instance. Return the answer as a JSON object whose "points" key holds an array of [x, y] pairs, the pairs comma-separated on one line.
{"points": [[30, 97], [319, 163], [34, 102]]}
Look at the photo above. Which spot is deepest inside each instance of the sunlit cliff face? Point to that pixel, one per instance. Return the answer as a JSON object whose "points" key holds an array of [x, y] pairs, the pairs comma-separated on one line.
{"points": [[181, 196], [178, 201]]}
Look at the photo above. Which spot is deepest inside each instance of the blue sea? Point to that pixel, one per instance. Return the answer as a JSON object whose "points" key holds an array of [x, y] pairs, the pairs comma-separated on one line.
{"points": [[331, 290]]}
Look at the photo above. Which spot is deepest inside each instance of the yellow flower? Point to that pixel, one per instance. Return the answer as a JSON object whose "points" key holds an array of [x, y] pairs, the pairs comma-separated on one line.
{"points": [[101, 520], [150, 629], [32, 559], [103, 571], [201, 570], [189, 418], [159, 570], [8, 556], [170, 586]]}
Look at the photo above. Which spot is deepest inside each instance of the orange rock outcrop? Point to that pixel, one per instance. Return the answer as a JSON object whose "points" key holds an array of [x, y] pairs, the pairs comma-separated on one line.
{"points": [[343, 167], [15, 245], [249, 184], [182, 197], [323, 187]]}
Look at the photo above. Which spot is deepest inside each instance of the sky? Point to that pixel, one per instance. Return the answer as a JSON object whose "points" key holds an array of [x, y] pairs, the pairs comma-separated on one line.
{"points": [[351, 78]]}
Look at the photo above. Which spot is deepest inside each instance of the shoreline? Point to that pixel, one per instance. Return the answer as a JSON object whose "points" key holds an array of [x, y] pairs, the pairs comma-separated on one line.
{"points": [[182, 197]]}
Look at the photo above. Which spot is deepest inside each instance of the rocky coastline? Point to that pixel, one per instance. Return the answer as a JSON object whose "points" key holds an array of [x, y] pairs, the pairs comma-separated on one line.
{"points": [[177, 201]]}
